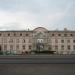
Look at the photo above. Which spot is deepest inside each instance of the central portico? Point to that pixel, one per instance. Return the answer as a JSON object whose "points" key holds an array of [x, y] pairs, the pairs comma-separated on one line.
{"points": [[40, 38]]}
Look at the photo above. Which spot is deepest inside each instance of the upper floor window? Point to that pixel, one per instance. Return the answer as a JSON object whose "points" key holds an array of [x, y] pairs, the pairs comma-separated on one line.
{"points": [[74, 47], [65, 35], [71, 34], [23, 47], [73, 41], [11, 47], [5, 47], [20, 34], [5, 40], [17, 40], [68, 41], [14, 34], [62, 41], [17, 46], [52, 34], [29, 46], [10, 40], [8, 34], [68, 47], [23, 40], [56, 47], [62, 47], [56, 41], [59, 34], [0, 34], [27, 34]]}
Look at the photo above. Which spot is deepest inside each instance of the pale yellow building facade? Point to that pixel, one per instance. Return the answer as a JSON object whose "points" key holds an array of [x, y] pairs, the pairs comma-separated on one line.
{"points": [[62, 42]]}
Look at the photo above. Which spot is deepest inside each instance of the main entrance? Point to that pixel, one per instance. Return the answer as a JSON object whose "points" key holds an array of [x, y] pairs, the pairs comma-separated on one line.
{"points": [[40, 45]]}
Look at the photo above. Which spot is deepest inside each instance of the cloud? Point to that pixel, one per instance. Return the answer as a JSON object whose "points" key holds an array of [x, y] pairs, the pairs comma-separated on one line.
{"points": [[23, 14]]}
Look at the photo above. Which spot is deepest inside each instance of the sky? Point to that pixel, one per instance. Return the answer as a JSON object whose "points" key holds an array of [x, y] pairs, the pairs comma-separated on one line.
{"points": [[29, 14]]}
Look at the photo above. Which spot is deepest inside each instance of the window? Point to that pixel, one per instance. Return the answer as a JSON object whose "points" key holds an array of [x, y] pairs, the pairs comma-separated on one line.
{"points": [[17, 40], [0, 34], [59, 34], [74, 47], [27, 34], [5, 47], [23, 40], [17, 46], [71, 34], [56, 41], [68, 41], [20, 34], [56, 47], [23, 47], [14, 34], [62, 47], [62, 41], [50, 47], [65, 35], [73, 41], [68, 47], [29, 46], [10, 40], [52, 34], [40, 40], [5, 40], [8, 34], [11, 47], [30, 40]]}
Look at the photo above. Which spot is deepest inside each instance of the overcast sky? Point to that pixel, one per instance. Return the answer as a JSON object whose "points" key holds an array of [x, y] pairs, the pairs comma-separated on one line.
{"points": [[24, 14]]}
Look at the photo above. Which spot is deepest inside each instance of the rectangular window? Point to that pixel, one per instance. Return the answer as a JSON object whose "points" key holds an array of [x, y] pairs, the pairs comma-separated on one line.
{"points": [[62, 47], [71, 35], [52, 34], [73, 41], [59, 34], [23, 47], [74, 47], [56, 41], [11, 47], [68, 47], [5, 47], [62, 41], [0, 34], [10, 40], [17, 47], [17, 40], [65, 35], [56, 47], [23, 40], [8, 34], [50, 47], [5, 40], [68, 41], [29, 46]]}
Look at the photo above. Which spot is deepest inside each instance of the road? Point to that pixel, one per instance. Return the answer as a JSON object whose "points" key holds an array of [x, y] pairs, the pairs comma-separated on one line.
{"points": [[37, 65], [37, 59]]}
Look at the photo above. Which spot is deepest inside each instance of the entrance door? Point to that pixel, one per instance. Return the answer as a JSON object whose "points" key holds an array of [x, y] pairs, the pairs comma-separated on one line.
{"points": [[40, 47]]}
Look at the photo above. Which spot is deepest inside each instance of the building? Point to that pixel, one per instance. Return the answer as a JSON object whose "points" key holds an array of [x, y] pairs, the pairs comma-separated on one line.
{"points": [[18, 42]]}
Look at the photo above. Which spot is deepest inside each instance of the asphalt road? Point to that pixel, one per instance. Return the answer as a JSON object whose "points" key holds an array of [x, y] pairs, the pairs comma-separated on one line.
{"points": [[37, 69], [37, 65], [38, 59]]}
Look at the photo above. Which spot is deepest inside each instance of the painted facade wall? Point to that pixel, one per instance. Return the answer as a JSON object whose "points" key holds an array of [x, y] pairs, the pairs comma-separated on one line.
{"points": [[63, 42]]}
